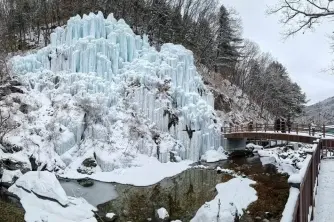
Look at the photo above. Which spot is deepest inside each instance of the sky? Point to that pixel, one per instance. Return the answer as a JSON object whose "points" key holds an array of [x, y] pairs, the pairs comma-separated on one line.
{"points": [[304, 55]]}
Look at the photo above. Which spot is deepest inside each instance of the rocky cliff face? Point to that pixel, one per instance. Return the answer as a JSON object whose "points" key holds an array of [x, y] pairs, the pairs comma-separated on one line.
{"points": [[230, 103]]}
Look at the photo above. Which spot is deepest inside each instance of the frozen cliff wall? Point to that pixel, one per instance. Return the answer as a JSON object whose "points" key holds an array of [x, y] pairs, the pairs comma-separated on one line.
{"points": [[103, 90]]}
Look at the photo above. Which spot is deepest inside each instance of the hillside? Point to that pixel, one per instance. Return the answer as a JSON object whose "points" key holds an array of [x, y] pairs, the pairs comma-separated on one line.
{"points": [[320, 113]]}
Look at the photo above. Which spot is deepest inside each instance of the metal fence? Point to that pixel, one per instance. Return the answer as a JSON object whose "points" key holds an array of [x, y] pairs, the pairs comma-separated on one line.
{"points": [[309, 129]]}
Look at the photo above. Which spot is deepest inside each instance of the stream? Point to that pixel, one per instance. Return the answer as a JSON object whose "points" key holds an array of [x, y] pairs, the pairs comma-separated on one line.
{"points": [[183, 194]]}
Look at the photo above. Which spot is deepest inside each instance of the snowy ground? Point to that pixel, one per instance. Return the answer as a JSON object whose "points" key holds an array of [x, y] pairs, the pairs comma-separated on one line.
{"points": [[325, 196]]}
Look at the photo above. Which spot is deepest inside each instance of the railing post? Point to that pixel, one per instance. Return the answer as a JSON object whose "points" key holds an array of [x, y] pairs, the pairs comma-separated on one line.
{"points": [[323, 130], [309, 129], [297, 129]]}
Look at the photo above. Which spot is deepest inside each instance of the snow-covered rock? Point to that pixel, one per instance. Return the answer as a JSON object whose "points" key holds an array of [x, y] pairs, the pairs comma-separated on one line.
{"points": [[285, 159], [162, 213], [211, 156], [255, 148], [233, 196], [15, 161], [41, 210], [9, 177], [110, 216], [43, 199], [44, 184]]}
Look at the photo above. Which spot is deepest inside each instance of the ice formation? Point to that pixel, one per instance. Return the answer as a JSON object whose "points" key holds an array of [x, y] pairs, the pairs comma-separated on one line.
{"points": [[125, 93]]}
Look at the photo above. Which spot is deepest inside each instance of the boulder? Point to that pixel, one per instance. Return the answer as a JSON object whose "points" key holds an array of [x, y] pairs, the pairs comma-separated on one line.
{"points": [[89, 162], [87, 166], [24, 108], [9, 177], [86, 182], [15, 161]]}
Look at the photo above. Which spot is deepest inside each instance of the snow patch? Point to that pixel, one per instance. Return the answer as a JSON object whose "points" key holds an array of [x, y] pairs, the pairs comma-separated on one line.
{"points": [[162, 213], [211, 156], [110, 215], [233, 196], [289, 209]]}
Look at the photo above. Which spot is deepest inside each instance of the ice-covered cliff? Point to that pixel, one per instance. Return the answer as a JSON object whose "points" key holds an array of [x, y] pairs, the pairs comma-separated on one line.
{"points": [[99, 92]]}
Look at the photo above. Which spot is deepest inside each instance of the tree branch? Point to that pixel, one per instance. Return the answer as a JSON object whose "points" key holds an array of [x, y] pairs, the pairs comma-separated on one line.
{"points": [[302, 14]]}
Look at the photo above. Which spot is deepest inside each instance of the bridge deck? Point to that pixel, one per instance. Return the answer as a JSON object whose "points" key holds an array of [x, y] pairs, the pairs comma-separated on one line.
{"points": [[302, 138], [325, 195]]}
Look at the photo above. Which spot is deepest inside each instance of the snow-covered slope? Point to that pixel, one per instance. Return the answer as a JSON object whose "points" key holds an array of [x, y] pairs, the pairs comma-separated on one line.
{"points": [[99, 95], [231, 104], [321, 112]]}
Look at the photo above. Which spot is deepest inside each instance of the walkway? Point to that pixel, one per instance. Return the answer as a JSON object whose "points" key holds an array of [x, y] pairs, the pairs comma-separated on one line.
{"points": [[324, 203]]}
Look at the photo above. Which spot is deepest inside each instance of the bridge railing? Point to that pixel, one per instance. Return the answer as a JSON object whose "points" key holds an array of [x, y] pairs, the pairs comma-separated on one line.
{"points": [[295, 128], [304, 205]]}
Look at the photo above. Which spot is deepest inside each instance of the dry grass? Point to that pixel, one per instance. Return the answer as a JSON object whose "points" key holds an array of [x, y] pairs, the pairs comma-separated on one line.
{"points": [[10, 213]]}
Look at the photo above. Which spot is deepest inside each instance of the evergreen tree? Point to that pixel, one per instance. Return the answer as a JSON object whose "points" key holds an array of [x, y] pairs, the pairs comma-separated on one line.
{"points": [[227, 44]]}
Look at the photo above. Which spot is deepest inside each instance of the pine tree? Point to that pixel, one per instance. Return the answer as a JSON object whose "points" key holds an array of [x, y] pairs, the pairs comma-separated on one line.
{"points": [[227, 44]]}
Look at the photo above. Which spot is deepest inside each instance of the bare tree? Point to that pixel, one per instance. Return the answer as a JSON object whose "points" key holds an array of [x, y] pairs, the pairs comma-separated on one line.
{"points": [[6, 123], [301, 15]]}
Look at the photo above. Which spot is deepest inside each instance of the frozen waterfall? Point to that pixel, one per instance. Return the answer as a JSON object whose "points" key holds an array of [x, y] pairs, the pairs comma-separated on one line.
{"points": [[102, 58]]}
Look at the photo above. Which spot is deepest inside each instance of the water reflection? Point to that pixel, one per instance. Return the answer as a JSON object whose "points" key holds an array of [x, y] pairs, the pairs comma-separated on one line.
{"points": [[181, 195]]}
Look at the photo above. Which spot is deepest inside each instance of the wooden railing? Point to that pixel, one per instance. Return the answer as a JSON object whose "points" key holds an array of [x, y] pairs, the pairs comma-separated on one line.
{"points": [[282, 128], [304, 206]]}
